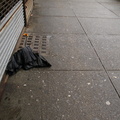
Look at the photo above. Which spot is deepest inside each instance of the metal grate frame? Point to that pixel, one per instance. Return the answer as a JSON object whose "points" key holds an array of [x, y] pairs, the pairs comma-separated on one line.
{"points": [[38, 43]]}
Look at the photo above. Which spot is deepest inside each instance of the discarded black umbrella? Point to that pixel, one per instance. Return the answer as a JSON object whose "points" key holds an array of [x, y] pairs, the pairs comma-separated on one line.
{"points": [[25, 58]]}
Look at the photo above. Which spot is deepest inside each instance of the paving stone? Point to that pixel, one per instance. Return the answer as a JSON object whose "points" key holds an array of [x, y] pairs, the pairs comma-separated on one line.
{"points": [[100, 26], [107, 1], [108, 48], [115, 77], [39, 1], [53, 12], [60, 95], [83, 1], [54, 25], [92, 10], [22, 97], [72, 52], [86, 5], [75, 95], [76, 87], [114, 7], [52, 4]]}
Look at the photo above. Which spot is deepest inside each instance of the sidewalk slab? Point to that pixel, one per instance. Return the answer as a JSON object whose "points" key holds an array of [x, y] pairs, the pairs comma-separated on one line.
{"points": [[108, 1], [83, 1], [99, 26], [53, 12], [92, 10], [115, 77], [52, 4], [99, 13], [108, 49], [54, 25], [114, 7], [72, 52], [22, 98], [39, 1], [75, 95], [86, 5], [82, 83], [60, 95]]}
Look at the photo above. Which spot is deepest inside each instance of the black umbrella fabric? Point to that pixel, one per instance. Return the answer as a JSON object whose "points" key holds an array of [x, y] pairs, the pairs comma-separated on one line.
{"points": [[25, 58]]}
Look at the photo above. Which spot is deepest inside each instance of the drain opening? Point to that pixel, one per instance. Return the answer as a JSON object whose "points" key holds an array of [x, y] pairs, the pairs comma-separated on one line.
{"points": [[39, 43]]}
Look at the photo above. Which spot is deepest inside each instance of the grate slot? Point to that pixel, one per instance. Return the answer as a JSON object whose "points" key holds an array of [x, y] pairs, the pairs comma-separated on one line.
{"points": [[37, 36], [29, 38], [36, 41], [28, 44], [43, 45], [29, 41], [36, 44], [43, 52]]}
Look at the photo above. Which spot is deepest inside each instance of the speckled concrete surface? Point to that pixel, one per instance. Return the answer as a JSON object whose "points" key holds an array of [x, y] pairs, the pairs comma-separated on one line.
{"points": [[107, 47], [83, 82]]}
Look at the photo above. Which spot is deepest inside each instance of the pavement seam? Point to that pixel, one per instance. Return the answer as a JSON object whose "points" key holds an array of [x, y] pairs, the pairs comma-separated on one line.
{"points": [[99, 58], [103, 67], [113, 70], [108, 9], [71, 70], [37, 16], [52, 33]]}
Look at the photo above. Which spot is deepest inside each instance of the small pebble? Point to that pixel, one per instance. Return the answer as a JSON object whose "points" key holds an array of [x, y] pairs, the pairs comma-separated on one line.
{"points": [[37, 100], [69, 95], [31, 96], [107, 102], [24, 85], [88, 83], [104, 80], [114, 76], [28, 103]]}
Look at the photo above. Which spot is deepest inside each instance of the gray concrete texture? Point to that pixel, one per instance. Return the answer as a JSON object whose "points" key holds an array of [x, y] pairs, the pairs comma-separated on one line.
{"points": [[84, 80]]}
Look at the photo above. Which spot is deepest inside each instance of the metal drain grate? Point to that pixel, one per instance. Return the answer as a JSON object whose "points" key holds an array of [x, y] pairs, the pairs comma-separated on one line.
{"points": [[38, 43]]}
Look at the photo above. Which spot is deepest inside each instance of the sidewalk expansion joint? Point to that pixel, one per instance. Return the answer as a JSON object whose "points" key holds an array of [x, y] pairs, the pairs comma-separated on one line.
{"points": [[98, 58]]}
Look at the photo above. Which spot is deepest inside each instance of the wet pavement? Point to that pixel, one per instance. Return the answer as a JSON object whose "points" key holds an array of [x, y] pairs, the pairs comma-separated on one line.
{"points": [[84, 80]]}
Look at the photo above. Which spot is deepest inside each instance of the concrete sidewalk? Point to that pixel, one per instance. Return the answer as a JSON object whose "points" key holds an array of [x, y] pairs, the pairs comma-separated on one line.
{"points": [[84, 80]]}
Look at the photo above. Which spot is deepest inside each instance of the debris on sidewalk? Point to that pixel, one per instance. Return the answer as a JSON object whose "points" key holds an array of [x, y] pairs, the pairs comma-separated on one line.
{"points": [[25, 58]]}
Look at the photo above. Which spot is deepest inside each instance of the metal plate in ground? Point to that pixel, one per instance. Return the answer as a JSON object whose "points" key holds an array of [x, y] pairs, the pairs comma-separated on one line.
{"points": [[38, 43]]}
